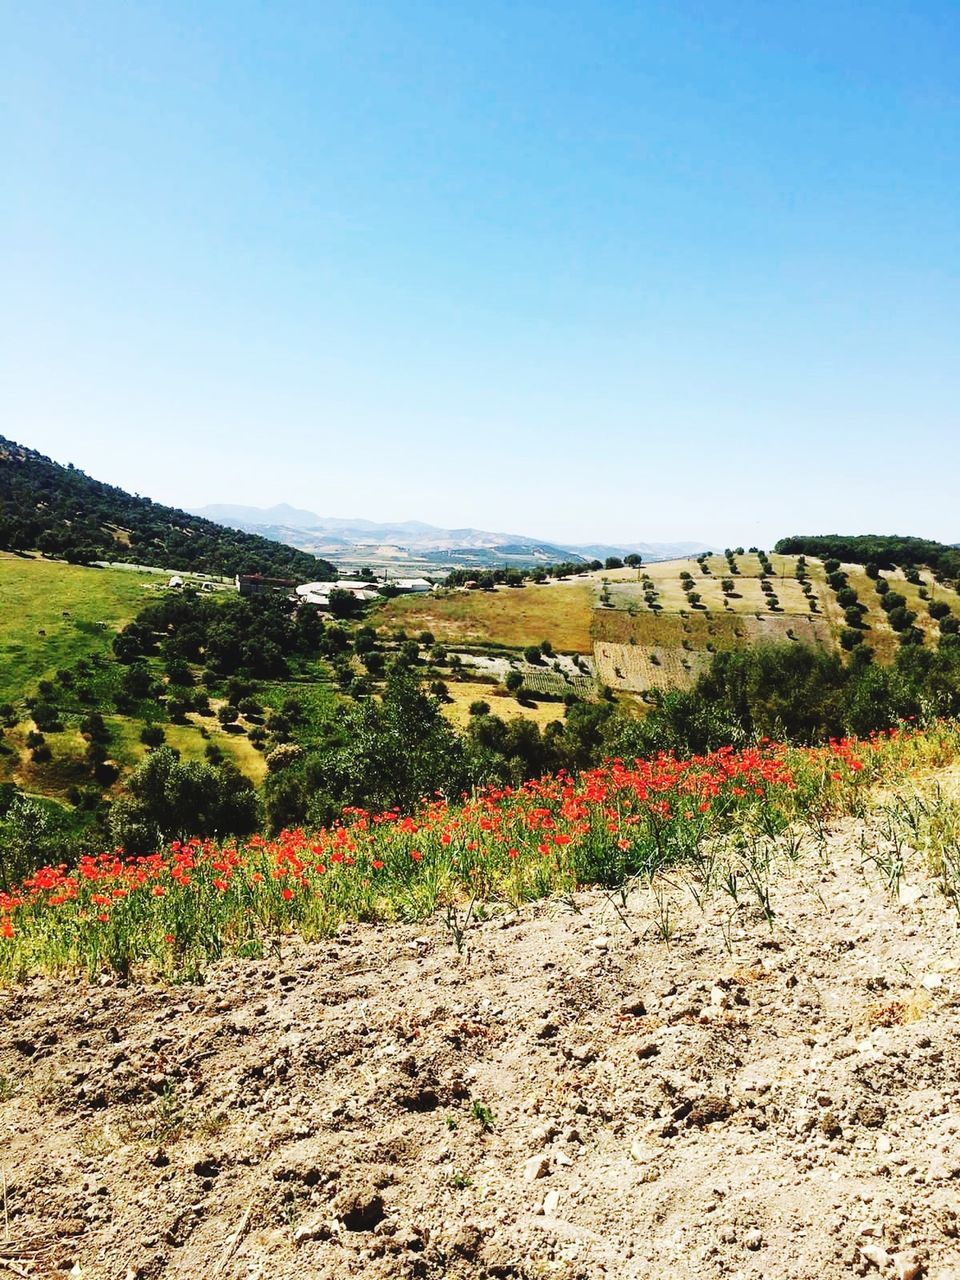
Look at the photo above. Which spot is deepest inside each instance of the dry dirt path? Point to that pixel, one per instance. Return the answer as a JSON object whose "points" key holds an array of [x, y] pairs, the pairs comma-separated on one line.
{"points": [[574, 1098]]}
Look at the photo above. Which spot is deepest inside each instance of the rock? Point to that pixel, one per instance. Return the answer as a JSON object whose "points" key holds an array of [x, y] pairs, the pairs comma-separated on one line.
{"points": [[536, 1167], [907, 1266], [876, 1255], [551, 1202], [753, 1239], [884, 1145], [830, 1124], [709, 1110], [315, 1229], [871, 1114], [633, 1009]]}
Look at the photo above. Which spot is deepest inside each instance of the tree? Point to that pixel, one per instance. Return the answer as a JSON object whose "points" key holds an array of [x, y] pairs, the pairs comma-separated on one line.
{"points": [[172, 799], [344, 604], [613, 562], [633, 560], [533, 655], [228, 714], [514, 681]]}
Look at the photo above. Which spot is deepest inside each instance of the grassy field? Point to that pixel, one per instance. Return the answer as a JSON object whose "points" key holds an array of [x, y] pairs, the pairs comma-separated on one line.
{"points": [[53, 613], [127, 748], [463, 692], [558, 612]]}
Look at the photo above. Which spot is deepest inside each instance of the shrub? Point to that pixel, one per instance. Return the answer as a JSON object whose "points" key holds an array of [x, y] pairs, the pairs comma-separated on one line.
{"points": [[285, 754], [901, 619], [152, 735]]}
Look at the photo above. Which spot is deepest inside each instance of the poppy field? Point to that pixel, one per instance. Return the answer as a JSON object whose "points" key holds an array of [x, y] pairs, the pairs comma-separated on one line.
{"points": [[194, 901]]}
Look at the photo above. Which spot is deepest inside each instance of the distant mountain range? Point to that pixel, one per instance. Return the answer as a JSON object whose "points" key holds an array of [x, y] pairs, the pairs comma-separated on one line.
{"points": [[410, 540]]}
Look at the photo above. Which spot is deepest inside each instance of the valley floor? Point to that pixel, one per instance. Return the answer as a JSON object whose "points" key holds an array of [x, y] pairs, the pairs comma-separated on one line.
{"points": [[573, 1096]]}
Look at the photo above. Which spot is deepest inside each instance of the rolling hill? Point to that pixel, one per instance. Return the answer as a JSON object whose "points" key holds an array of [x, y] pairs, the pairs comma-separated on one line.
{"points": [[656, 629], [63, 512]]}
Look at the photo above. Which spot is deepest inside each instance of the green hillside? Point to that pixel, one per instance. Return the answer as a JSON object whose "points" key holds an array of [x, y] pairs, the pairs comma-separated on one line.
{"points": [[52, 613], [63, 512]]}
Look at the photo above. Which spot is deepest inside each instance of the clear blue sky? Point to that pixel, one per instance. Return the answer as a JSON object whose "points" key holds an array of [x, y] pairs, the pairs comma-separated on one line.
{"points": [[589, 271]]}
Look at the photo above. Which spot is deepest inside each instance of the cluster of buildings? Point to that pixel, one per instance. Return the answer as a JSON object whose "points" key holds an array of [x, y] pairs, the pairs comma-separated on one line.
{"points": [[318, 593]]}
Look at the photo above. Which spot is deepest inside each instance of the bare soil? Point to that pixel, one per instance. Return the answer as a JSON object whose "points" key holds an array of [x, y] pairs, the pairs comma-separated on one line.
{"points": [[572, 1096]]}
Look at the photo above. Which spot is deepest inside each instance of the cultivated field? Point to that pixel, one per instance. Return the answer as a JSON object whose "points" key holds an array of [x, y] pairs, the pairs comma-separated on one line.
{"points": [[313, 1056], [644, 628]]}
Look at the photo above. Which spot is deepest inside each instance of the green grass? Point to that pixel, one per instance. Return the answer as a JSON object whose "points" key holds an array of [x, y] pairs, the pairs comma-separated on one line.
{"points": [[50, 616], [126, 747]]}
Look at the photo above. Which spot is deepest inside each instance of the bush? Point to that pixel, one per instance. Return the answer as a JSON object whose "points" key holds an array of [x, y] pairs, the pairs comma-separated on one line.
{"points": [[479, 708], [228, 714], [281, 757], [152, 735]]}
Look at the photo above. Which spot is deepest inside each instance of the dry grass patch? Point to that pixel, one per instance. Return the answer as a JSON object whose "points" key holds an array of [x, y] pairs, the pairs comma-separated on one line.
{"points": [[464, 692], [558, 612]]}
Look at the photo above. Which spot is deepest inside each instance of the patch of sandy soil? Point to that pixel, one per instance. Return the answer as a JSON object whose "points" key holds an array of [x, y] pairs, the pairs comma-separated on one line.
{"points": [[573, 1097]]}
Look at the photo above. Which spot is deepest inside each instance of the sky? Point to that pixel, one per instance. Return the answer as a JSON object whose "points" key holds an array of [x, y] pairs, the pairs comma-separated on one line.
{"points": [[591, 271]]}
